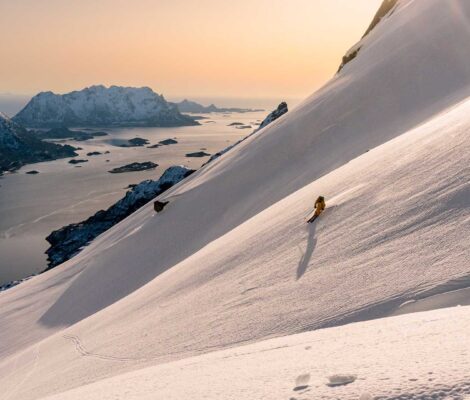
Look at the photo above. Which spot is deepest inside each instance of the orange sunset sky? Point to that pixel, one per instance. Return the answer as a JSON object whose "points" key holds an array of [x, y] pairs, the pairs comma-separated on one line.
{"points": [[249, 48]]}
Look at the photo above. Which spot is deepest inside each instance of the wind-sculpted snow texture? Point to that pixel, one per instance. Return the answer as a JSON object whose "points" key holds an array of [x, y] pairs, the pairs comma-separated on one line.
{"points": [[231, 260], [102, 106], [67, 241], [423, 356], [19, 147]]}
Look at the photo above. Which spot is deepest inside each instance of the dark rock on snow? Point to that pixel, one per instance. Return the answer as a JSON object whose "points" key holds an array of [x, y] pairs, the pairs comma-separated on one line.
{"points": [[33, 172], [93, 153], [273, 115], [278, 112], [387, 8], [158, 206]]}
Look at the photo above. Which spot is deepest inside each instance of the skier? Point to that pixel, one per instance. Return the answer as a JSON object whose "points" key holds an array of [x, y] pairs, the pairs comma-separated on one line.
{"points": [[319, 207]]}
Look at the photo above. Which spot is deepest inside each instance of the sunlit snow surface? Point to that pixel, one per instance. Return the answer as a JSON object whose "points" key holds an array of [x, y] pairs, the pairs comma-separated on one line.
{"points": [[231, 261], [424, 356]]}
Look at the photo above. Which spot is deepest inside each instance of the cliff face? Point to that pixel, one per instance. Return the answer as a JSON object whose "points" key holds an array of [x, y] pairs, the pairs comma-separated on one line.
{"points": [[102, 106], [19, 147]]}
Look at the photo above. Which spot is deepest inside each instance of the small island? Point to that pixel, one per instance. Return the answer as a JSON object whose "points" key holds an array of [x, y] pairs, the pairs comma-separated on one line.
{"points": [[77, 161], [166, 142], [135, 142], [198, 154], [133, 167]]}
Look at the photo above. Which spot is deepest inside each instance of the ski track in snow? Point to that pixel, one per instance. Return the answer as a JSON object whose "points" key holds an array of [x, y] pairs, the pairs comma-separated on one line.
{"points": [[374, 360]]}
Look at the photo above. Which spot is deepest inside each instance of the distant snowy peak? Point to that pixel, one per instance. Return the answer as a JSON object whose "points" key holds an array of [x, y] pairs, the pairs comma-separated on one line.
{"points": [[102, 106]]}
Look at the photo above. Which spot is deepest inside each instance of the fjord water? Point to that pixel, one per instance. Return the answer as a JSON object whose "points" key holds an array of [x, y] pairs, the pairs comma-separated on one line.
{"points": [[32, 206]]}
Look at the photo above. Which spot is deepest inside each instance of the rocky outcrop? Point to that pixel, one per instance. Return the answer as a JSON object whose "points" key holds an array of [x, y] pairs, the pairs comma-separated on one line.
{"points": [[385, 9], [19, 147], [272, 116], [275, 114], [68, 241], [102, 106]]}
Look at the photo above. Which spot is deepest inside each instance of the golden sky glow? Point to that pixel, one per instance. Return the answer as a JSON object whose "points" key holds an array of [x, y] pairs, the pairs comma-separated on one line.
{"points": [[249, 48]]}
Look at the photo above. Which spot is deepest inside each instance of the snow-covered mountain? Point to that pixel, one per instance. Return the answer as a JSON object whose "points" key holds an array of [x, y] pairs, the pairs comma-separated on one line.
{"points": [[19, 147], [102, 106], [216, 296]]}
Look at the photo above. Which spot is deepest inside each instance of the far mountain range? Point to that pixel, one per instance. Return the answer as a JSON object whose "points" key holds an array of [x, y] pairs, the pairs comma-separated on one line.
{"points": [[193, 107], [114, 106]]}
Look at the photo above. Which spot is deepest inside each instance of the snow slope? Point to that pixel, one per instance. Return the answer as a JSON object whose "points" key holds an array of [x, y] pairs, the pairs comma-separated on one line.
{"points": [[385, 359], [230, 261]]}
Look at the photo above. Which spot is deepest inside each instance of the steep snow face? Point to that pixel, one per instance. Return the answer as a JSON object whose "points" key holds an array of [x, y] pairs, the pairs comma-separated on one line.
{"points": [[101, 106], [230, 260]]}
